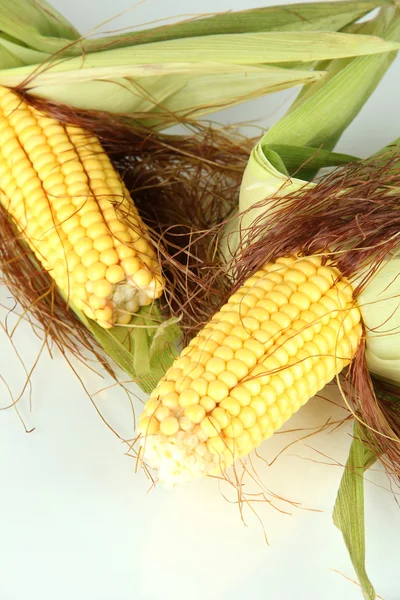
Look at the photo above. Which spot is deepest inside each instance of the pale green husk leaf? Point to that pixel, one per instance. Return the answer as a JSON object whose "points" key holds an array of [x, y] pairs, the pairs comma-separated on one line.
{"points": [[186, 77], [159, 101], [314, 16], [348, 514], [22, 55], [192, 93], [36, 24], [145, 349], [316, 121], [249, 49], [266, 179], [323, 111], [39, 26], [380, 308]]}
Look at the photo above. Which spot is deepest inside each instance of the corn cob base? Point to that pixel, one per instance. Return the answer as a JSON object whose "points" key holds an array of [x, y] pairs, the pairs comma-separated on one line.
{"points": [[277, 342], [66, 199]]}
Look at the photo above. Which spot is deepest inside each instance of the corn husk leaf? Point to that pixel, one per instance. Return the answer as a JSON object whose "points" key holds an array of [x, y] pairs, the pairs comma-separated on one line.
{"points": [[250, 49], [268, 174], [157, 102], [21, 54], [44, 29], [36, 24], [315, 121], [295, 157], [129, 75], [7, 59], [380, 305], [348, 514], [205, 57], [144, 349], [322, 16], [325, 110], [120, 67]]}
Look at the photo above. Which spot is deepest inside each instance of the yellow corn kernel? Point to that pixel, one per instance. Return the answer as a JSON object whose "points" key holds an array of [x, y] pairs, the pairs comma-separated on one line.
{"points": [[195, 413], [207, 403], [148, 426], [231, 406], [234, 429], [217, 390], [114, 274], [210, 426], [188, 397], [169, 426], [222, 416], [200, 386], [228, 378]]}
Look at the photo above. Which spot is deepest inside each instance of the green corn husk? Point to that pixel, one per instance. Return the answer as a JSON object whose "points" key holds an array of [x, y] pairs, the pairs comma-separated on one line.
{"points": [[348, 514], [40, 27], [154, 80]]}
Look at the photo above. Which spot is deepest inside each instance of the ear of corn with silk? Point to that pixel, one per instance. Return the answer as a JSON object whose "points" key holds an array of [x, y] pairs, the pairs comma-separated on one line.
{"points": [[278, 341], [66, 200]]}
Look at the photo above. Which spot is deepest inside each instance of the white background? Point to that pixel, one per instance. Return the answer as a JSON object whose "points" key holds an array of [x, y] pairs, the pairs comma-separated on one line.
{"points": [[77, 522]]}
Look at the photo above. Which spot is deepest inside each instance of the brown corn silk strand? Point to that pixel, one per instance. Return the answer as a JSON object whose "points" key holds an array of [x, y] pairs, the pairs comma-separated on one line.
{"points": [[355, 212]]}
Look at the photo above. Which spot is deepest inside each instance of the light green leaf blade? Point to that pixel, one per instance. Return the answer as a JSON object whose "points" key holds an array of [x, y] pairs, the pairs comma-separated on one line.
{"points": [[195, 95], [141, 351], [159, 101], [167, 333], [47, 76], [249, 49], [321, 16], [348, 513], [379, 305], [40, 26], [36, 24], [23, 55], [325, 112], [266, 176], [131, 348], [376, 26], [7, 59], [295, 157]]}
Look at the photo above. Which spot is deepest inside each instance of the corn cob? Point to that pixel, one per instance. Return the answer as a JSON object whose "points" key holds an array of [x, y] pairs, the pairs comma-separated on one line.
{"points": [[65, 197], [278, 341]]}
